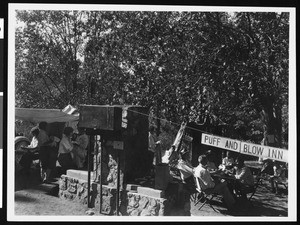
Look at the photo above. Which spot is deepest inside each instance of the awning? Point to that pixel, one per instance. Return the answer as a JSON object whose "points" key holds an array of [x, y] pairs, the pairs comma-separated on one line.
{"points": [[47, 115]]}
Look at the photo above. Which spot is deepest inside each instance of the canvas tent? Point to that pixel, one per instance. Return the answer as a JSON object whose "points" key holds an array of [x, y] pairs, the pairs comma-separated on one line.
{"points": [[47, 115]]}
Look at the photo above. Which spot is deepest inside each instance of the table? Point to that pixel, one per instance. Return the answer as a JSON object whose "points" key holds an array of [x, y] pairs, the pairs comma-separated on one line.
{"points": [[230, 179], [254, 164], [221, 175]]}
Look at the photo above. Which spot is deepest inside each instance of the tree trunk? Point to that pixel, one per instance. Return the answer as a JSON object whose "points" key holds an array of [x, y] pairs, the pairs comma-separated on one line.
{"points": [[274, 125], [158, 119]]}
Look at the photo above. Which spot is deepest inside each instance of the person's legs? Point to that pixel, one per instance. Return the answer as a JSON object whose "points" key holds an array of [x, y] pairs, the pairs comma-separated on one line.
{"points": [[222, 189], [62, 162], [272, 181], [43, 163]]}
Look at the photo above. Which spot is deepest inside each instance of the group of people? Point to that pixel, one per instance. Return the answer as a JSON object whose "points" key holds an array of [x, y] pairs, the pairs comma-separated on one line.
{"points": [[68, 151], [203, 172]]}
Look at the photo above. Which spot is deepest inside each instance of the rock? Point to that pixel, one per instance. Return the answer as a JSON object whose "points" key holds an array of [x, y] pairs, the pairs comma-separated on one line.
{"points": [[90, 212]]}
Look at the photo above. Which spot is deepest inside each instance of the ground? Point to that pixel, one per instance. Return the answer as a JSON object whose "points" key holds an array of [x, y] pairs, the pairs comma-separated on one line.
{"points": [[31, 198]]}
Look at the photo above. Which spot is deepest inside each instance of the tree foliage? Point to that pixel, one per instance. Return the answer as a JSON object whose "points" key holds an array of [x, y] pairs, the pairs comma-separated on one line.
{"points": [[182, 65]]}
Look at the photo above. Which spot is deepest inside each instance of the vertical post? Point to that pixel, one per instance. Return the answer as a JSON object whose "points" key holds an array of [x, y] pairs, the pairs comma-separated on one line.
{"points": [[118, 182], [100, 194], [95, 160], [89, 173]]}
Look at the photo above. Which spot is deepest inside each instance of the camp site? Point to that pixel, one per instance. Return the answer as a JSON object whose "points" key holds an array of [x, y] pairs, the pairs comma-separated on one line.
{"points": [[161, 114]]}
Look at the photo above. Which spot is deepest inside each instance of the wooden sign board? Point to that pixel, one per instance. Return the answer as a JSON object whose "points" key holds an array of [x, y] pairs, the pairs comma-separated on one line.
{"points": [[261, 151], [101, 117]]}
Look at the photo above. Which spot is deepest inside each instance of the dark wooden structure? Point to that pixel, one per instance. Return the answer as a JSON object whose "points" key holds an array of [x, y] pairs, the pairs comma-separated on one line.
{"points": [[125, 125], [195, 131]]}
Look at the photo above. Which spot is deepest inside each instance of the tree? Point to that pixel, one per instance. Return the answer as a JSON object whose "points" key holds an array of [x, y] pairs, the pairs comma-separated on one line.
{"points": [[229, 67], [48, 49]]}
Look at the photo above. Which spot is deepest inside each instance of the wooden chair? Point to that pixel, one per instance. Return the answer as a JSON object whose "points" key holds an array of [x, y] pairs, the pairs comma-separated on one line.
{"points": [[208, 195], [282, 179], [250, 190]]}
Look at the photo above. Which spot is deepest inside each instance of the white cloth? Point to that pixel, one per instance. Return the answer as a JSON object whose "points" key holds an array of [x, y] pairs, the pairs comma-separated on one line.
{"points": [[65, 145], [185, 168], [206, 180], [227, 161], [34, 143]]}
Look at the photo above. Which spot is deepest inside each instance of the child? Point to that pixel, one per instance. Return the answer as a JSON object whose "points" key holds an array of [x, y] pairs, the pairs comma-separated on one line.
{"points": [[278, 177]]}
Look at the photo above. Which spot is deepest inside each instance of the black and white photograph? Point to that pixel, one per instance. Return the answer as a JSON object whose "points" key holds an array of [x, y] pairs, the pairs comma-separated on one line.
{"points": [[151, 113]]}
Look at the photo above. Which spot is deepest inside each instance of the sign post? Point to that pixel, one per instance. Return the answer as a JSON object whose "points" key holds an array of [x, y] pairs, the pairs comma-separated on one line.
{"points": [[100, 171], [89, 173], [119, 145]]}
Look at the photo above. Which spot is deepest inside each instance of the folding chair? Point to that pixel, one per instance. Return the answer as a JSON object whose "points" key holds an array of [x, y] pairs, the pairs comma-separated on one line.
{"points": [[282, 179], [208, 195], [251, 189]]}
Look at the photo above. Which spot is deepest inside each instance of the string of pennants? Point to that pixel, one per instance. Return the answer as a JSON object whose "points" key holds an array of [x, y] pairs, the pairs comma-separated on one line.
{"points": [[261, 151]]}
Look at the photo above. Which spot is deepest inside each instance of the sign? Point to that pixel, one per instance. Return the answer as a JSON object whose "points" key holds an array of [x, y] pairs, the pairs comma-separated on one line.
{"points": [[220, 142], [261, 151], [118, 145]]}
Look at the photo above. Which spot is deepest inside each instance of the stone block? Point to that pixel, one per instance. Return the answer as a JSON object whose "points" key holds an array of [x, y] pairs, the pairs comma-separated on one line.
{"points": [[144, 205], [150, 192], [79, 174], [62, 184]]}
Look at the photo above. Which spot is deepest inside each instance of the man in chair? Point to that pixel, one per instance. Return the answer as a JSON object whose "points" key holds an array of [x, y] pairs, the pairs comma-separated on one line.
{"points": [[207, 182]]}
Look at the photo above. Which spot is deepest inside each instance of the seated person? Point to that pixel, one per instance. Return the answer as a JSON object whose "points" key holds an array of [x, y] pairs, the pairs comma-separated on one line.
{"points": [[27, 158], [210, 164], [278, 177], [243, 174], [267, 167], [207, 182], [33, 147], [227, 162]]}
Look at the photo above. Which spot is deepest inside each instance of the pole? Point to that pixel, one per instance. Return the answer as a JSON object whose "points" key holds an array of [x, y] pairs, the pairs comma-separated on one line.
{"points": [[118, 182], [100, 177], [89, 172]]}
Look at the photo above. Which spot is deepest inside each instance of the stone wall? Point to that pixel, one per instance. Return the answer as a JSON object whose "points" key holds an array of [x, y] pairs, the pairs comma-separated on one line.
{"points": [[142, 205], [141, 201], [73, 189]]}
